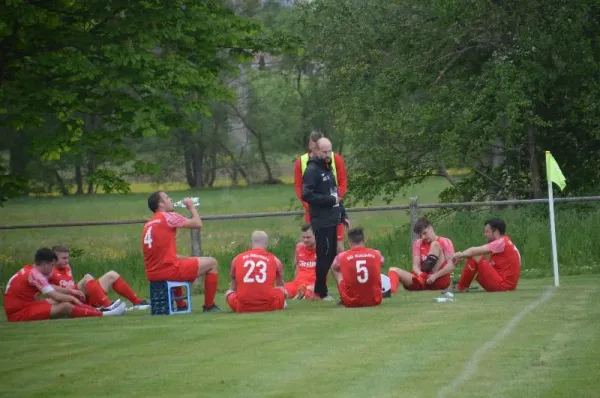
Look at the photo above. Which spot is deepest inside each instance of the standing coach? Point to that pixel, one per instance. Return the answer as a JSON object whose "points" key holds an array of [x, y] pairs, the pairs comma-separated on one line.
{"points": [[320, 191]]}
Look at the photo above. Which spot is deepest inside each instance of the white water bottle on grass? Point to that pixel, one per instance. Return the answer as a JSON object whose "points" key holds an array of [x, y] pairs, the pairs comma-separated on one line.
{"points": [[181, 204]]}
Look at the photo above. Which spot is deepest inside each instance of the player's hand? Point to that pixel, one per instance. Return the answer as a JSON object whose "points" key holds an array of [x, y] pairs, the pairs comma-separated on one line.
{"points": [[75, 301], [189, 203], [78, 294], [346, 223], [337, 200], [418, 273], [430, 279]]}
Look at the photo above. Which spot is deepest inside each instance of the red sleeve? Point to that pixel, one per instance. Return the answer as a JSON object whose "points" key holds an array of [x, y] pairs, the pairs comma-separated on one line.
{"points": [[342, 177], [337, 262], [298, 179], [279, 266], [496, 246], [232, 269]]}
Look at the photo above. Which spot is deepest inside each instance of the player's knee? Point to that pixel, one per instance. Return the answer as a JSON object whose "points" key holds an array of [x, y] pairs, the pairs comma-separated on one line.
{"points": [[87, 278], [112, 276], [395, 269], [65, 308]]}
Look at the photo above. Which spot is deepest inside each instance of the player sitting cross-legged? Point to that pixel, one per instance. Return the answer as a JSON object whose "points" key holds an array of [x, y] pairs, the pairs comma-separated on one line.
{"points": [[21, 299], [431, 269], [256, 279], [305, 260], [358, 273], [160, 250], [93, 291]]}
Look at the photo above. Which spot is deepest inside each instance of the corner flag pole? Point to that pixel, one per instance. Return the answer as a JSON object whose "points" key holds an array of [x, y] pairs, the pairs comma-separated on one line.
{"points": [[553, 233], [554, 175]]}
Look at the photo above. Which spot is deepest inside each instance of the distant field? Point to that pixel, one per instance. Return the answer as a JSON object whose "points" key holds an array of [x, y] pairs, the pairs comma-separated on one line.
{"points": [[528, 343]]}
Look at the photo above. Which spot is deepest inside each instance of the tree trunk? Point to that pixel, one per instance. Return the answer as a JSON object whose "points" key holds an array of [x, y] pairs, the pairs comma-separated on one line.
{"points": [[536, 180], [91, 168], [237, 167], [198, 165], [64, 190], [78, 179], [213, 155], [189, 170]]}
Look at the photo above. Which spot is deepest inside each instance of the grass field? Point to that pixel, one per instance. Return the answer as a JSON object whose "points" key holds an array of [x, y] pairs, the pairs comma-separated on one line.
{"points": [[482, 345]]}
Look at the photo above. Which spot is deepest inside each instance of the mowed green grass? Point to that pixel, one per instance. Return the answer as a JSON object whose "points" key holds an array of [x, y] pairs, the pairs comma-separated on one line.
{"points": [[115, 242], [410, 346]]}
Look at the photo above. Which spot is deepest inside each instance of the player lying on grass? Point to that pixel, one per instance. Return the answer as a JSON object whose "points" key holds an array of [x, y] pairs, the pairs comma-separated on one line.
{"points": [[305, 260], [24, 288], [431, 269], [501, 271], [358, 272], [89, 290], [160, 250], [256, 279]]}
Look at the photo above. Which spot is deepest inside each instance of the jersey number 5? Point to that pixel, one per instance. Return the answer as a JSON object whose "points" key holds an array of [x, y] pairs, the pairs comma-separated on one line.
{"points": [[362, 272], [260, 277], [148, 238]]}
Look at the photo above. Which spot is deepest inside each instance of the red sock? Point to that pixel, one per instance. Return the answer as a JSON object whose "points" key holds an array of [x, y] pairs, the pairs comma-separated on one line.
{"points": [[178, 292], [210, 289], [96, 295], [394, 280], [84, 311], [123, 289], [468, 274]]}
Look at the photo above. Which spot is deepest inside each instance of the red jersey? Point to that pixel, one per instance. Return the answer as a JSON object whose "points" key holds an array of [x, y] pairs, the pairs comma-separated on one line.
{"points": [[255, 272], [506, 259], [421, 249], [62, 277], [361, 272], [158, 240], [25, 287], [306, 261]]}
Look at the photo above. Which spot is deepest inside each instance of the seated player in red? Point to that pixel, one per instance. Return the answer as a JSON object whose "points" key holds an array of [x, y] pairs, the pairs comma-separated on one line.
{"points": [[93, 291], [160, 250], [501, 271], [358, 272], [431, 269], [21, 299], [305, 260], [256, 279]]}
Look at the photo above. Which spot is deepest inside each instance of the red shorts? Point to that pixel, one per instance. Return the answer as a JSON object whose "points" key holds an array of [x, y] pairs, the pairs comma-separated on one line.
{"points": [[340, 227], [354, 302], [293, 286], [490, 279], [273, 303], [418, 283], [185, 270], [37, 311]]}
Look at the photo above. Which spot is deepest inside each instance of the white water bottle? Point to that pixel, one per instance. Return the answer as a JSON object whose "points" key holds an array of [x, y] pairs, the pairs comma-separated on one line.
{"points": [[196, 202]]}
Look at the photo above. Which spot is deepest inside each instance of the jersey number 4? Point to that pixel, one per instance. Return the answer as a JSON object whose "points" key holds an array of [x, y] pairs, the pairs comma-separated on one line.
{"points": [[362, 272], [148, 238], [260, 277]]}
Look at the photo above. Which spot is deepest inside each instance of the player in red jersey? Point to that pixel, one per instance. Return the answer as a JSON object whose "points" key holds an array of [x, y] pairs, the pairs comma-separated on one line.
{"points": [[21, 302], [160, 250], [501, 271], [305, 260], [91, 291], [256, 279], [431, 269], [358, 272], [339, 172]]}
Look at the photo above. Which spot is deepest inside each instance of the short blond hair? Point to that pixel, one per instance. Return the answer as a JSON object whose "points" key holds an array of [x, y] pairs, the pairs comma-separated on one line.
{"points": [[260, 239]]}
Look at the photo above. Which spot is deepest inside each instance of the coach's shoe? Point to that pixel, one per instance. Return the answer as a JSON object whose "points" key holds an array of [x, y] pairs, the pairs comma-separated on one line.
{"points": [[212, 308], [120, 310], [328, 298], [111, 307]]}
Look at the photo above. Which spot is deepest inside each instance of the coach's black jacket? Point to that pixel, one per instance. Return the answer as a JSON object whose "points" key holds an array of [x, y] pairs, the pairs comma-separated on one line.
{"points": [[318, 183]]}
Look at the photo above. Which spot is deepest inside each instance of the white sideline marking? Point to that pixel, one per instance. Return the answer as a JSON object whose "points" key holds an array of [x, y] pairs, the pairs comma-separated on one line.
{"points": [[471, 365]]}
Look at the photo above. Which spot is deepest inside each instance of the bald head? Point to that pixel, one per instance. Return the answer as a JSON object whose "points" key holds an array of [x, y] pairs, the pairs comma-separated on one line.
{"points": [[323, 150], [260, 240]]}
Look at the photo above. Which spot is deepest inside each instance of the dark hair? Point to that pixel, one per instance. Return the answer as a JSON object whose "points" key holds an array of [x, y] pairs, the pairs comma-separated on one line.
{"points": [[306, 227], [421, 225], [315, 136], [154, 201], [44, 255], [356, 235], [496, 224], [60, 249]]}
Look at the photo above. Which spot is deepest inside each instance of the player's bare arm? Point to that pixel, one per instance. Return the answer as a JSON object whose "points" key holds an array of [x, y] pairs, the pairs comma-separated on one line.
{"points": [[471, 252], [416, 265], [451, 264], [71, 292], [63, 298], [195, 222]]}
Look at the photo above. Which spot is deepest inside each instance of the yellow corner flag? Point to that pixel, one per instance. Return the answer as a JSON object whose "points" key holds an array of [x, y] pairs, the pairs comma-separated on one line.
{"points": [[553, 172]]}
